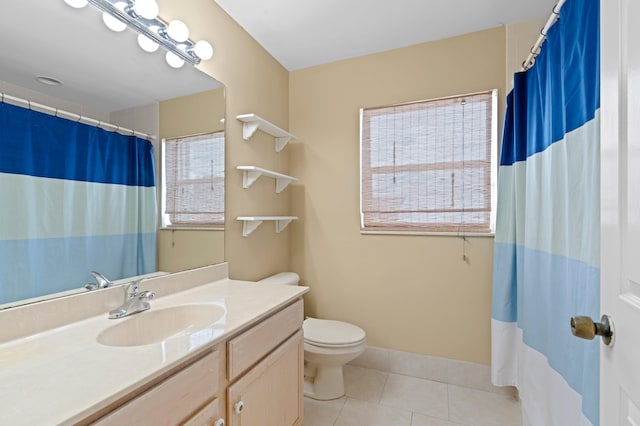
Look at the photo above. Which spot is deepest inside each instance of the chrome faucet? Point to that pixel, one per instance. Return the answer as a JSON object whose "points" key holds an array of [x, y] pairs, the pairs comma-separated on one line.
{"points": [[134, 302], [101, 281]]}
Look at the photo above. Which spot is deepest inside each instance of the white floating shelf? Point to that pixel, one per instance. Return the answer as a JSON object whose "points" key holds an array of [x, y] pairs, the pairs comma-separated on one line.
{"points": [[252, 173], [251, 123], [251, 223]]}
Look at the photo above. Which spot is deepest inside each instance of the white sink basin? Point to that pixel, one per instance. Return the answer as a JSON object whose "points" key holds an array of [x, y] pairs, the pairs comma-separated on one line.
{"points": [[156, 325]]}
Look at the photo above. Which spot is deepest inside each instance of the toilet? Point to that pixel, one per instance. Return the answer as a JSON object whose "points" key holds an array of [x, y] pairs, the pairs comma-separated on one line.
{"points": [[328, 346]]}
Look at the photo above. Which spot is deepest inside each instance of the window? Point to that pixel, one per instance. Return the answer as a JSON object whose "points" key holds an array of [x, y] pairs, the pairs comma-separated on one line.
{"points": [[427, 166], [193, 181]]}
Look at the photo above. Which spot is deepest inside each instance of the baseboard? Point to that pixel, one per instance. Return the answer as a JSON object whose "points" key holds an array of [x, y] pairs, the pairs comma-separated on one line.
{"points": [[454, 372]]}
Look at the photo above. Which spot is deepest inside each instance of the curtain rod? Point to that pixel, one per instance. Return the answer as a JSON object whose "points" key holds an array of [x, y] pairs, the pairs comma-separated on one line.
{"points": [[535, 49], [73, 116]]}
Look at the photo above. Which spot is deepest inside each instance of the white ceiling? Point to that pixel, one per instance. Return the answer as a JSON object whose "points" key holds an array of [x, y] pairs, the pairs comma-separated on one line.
{"points": [[100, 69], [304, 33], [108, 71]]}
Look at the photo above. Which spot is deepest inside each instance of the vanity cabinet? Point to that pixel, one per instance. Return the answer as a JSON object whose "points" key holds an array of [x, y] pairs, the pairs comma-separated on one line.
{"points": [[211, 414], [255, 378], [265, 366], [179, 398], [270, 394]]}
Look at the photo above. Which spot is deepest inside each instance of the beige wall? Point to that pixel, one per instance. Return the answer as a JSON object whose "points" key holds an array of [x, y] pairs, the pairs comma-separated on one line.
{"points": [[520, 39], [255, 83], [410, 293], [179, 250]]}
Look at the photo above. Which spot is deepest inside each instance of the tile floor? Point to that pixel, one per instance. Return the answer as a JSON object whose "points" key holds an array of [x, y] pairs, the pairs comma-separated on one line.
{"points": [[375, 397]]}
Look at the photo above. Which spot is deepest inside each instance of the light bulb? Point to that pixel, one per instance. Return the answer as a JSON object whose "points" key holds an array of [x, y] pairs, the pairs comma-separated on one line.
{"points": [[178, 31], [113, 23], [78, 4], [203, 49], [147, 44], [174, 60], [148, 9]]}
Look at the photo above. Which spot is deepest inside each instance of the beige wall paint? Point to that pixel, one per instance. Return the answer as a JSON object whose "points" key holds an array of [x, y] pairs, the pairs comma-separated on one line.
{"points": [[192, 115], [179, 250], [255, 83], [410, 293], [396, 287], [520, 39]]}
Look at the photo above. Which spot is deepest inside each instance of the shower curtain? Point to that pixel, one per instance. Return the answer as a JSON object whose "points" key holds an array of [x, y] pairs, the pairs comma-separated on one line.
{"points": [[75, 199], [546, 255]]}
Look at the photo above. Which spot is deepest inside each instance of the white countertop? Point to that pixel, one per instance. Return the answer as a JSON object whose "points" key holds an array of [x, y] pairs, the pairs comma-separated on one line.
{"points": [[61, 376]]}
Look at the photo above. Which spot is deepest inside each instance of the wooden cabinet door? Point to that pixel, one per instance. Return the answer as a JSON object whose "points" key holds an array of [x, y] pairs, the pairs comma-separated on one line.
{"points": [[207, 416], [270, 394], [174, 399]]}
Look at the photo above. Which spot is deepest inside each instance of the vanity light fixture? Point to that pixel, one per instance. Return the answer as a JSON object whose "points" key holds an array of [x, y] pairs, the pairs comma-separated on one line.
{"points": [[142, 17]]}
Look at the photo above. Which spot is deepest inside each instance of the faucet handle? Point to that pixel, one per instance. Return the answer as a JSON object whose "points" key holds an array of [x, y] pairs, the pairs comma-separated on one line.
{"points": [[131, 289], [101, 280], [146, 295]]}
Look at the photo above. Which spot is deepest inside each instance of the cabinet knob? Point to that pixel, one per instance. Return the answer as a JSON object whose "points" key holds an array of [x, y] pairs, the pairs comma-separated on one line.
{"points": [[219, 422], [239, 407]]}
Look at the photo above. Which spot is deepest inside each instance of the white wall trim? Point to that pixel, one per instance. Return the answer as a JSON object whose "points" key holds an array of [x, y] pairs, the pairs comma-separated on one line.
{"points": [[454, 372]]}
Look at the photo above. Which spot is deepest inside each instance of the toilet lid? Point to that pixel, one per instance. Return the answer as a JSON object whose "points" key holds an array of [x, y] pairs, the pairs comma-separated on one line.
{"points": [[329, 332]]}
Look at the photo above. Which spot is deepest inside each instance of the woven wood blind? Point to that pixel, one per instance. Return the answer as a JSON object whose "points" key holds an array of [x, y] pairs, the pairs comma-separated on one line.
{"points": [[426, 166], [194, 173]]}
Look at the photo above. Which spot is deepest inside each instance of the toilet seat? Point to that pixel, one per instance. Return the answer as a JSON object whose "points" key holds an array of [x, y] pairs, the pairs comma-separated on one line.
{"points": [[332, 334]]}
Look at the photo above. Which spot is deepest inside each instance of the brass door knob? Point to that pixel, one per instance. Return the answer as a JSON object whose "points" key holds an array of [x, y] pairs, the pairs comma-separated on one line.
{"points": [[586, 328]]}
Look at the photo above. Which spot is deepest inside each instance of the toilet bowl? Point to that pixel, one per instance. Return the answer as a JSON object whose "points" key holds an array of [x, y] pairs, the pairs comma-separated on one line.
{"points": [[328, 346]]}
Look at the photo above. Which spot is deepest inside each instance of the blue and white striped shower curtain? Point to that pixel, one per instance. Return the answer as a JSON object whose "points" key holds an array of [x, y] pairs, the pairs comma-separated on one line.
{"points": [[546, 256], [75, 198]]}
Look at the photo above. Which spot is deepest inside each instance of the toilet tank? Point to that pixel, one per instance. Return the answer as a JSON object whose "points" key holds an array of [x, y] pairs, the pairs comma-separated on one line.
{"points": [[284, 278]]}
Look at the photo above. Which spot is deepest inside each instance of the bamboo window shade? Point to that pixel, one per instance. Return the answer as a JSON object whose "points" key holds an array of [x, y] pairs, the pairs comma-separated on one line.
{"points": [[426, 166], [194, 173]]}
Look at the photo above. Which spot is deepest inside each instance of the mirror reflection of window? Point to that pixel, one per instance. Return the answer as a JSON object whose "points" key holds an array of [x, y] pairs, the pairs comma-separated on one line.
{"points": [[193, 181]]}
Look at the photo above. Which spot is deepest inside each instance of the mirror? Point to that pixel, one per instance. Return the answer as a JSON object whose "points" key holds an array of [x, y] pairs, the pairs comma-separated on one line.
{"points": [[107, 77]]}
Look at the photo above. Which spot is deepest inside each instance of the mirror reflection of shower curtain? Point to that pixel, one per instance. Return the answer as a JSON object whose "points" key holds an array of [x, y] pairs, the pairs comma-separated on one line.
{"points": [[75, 198], [547, 242]]}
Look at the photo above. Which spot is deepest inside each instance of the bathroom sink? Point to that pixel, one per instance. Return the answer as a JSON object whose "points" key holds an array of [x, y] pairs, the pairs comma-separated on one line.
{"points": [[156, 325]]}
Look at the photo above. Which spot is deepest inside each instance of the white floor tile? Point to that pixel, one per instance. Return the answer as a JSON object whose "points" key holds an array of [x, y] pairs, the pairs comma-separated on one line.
{"points": [[481, 408], [321, 413], [419, 395], [422, 420], [378, 398], [362, 413], [364, 384]]}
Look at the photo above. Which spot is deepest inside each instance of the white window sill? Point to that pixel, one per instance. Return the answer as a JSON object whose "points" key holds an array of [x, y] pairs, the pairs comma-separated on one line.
{"points": [[190, 228], [433, 234]]}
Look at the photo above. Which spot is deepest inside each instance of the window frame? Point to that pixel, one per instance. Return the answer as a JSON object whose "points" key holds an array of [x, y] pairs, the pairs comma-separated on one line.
{"points": [[493, 156], [165, 221]]}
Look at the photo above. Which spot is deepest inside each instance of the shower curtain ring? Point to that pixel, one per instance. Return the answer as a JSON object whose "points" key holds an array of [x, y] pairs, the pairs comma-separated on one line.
{"points": [[528, 64]]}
